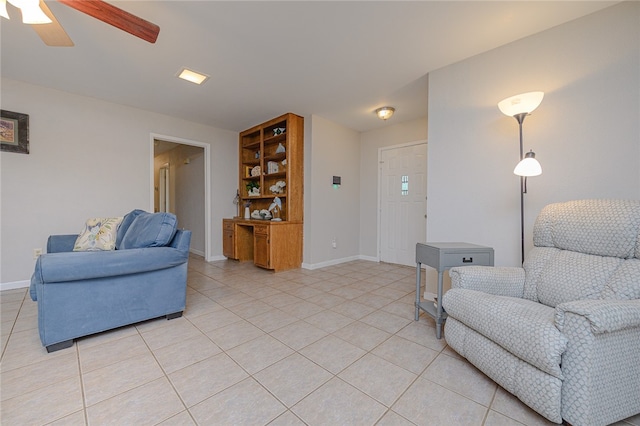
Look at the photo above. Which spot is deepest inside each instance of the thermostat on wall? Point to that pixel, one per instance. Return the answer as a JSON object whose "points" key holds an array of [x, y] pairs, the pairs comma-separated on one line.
{"points": [[336, 181]]}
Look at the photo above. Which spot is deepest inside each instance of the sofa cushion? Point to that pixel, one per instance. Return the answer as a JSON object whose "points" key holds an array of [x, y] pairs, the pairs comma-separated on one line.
{"points": [[125, 224], [99, 233], [534, 387], [150, 230], [534, 266], [569, 276], [522, 327], [624, 283]]}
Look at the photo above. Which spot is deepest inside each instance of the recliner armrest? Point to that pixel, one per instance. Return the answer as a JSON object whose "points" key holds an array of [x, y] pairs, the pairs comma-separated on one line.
{"points": [[498, 280], [604, 316], [77, 266]]}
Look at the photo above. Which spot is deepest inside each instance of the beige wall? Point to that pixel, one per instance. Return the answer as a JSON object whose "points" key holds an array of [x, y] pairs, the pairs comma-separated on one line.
{"points": [[90, 158], [190, 198], [332, 150], [585, 133], [348, 214]]}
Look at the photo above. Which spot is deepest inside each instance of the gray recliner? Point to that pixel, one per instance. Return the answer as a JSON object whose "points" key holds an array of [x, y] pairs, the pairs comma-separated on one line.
{"points": [[563, 332]]}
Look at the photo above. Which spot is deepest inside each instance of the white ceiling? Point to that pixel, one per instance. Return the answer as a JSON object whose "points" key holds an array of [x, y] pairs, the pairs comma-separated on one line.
{"points": [[340, 60]]}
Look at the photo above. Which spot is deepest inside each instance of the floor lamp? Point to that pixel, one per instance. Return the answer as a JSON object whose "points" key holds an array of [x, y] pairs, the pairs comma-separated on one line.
{"points": [[518, 107]]}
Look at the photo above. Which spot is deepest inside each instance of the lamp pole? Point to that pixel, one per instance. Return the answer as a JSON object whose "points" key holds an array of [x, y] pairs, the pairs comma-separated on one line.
{"points": [[518, 107], [520, 118]]}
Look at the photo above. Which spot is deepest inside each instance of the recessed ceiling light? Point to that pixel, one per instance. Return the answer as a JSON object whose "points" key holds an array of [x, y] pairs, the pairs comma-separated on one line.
{"points": [[192, 76]]}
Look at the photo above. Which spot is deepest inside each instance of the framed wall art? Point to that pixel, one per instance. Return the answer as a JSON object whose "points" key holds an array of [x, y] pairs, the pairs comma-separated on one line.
{"points": [[14, 132]]}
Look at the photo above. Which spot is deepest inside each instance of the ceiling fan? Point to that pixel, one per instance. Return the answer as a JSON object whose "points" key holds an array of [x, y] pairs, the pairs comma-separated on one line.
{"points": [[52, 33]]}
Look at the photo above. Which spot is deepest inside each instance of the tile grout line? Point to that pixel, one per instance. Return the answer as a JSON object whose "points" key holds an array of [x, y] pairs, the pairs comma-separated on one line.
{"points": [[236, 284]]}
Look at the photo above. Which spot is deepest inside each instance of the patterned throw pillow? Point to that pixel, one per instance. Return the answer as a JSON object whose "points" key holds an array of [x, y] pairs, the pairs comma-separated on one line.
{"points": [[99, 234]]}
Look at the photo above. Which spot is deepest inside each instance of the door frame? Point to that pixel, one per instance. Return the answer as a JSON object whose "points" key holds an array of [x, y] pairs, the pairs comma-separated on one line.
{"points": [[163, 187], [207, 180], [379, 209]]}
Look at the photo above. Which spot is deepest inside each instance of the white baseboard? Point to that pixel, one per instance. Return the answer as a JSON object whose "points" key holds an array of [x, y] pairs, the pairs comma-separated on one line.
{"points": [[333, 262], [196, 252], [15, 284], [214, 258]]}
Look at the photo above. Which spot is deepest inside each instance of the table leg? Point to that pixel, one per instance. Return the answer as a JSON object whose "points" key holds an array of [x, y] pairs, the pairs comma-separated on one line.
{"points": [[418, 282], [439, 319]]}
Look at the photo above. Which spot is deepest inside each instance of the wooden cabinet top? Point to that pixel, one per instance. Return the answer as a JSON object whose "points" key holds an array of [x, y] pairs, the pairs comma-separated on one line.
{"points": [[253, 222]]}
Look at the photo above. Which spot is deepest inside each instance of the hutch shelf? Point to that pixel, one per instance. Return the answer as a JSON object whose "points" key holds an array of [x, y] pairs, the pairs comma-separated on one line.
{"points": [[270, 165]]}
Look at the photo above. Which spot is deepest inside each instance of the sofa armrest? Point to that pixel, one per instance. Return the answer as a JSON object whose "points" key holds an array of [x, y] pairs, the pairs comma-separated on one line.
{"points": [[500, 280], [61, 243], [181, 240], [603, 316], [77, 266]]}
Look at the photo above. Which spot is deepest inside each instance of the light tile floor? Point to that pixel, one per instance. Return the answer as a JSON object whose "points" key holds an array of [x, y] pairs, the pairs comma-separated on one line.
{"points": [[333, 346]]}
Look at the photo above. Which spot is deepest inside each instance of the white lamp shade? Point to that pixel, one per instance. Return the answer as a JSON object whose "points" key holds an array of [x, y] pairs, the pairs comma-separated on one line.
{"points": [[523, 103], [3, 9], [528, 166]]}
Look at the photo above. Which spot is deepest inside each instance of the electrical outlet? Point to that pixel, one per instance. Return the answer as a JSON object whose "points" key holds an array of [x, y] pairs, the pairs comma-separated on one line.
{"points": [[334, 243], [37, 252]]}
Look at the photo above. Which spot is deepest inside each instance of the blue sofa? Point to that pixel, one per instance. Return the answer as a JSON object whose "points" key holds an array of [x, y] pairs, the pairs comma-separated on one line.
{"points": [[85, 292]]}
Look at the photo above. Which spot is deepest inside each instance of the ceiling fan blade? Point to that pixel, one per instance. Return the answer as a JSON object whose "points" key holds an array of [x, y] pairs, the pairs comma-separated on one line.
{"points": [[52, 34], [117, 17]]}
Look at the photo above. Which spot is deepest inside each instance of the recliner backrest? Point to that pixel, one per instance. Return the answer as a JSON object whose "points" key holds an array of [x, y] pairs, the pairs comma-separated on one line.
{"points": [[585, 249]]}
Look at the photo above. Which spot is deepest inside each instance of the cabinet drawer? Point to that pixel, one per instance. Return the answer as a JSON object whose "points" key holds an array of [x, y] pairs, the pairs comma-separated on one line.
{"points": [[229, 244], [449, 260], [227, 225], [261, 229]]}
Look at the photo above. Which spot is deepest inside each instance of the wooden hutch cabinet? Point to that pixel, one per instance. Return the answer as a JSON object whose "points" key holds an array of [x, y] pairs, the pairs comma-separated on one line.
{"points": [[270, 165]]}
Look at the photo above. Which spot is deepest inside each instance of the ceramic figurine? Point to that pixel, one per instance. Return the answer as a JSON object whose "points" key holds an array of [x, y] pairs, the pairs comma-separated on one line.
{"points": [[275, 208]]}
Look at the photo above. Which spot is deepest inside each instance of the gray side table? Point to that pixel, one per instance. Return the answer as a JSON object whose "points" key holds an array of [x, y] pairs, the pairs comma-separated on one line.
{"points": [[442, 256]]}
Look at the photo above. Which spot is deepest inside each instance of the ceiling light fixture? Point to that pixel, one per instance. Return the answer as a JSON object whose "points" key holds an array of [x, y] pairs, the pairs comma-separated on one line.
{"points": [[192, 76], [385, 113], [31, 11]]}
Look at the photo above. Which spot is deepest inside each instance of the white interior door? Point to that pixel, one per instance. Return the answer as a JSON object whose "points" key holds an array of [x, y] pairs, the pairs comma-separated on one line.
{"points": [[403, 202]]}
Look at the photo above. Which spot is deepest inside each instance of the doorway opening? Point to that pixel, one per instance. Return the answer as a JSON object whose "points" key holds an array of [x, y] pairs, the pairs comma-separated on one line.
{"points": [[180, 185]]}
